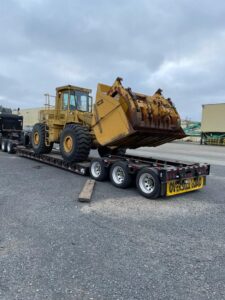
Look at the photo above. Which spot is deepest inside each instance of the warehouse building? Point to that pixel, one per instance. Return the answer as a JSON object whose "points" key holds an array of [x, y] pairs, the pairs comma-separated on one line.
{"points": [[30, 116], [213, 124]]}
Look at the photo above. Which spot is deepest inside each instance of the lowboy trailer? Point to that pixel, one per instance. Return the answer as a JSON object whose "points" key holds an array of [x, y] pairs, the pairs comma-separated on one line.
{"points": [[120, 119], [154, 178]]}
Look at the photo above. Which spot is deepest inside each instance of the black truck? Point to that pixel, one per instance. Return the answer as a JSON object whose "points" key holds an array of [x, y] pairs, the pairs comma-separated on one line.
{"points": [[11, 130]]}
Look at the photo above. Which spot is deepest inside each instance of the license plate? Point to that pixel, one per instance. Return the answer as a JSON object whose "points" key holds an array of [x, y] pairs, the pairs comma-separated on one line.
{"points": [[175, 187]]}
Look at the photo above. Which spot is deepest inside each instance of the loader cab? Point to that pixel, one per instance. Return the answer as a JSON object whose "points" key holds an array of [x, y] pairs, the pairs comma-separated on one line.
{"points": [[71, 98]]}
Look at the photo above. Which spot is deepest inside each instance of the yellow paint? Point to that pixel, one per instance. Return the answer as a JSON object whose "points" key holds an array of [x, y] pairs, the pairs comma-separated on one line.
{"points": [[117, 114], [68, 144], [176, 187], [36, 138]]}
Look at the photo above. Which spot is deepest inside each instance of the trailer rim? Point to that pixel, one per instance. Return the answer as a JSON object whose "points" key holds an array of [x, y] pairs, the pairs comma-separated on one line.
{"points": [[147, 183], [118, 175], [96, 169]]}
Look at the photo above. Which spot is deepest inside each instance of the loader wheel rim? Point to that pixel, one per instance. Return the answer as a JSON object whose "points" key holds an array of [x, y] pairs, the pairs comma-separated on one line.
{"points": [[36, 138], [68, 144], [118, 175], [147, 183], [96, 169]]}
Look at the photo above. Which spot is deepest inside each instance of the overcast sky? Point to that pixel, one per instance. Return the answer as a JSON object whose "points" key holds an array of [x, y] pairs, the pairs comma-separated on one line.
{"points": [[175, 45]]}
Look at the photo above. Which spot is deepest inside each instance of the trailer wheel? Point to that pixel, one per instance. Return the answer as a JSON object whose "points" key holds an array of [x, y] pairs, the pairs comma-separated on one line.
{"points": [[148, 183], [97, 170], [119, 175], [10, 148], [4, 145]]}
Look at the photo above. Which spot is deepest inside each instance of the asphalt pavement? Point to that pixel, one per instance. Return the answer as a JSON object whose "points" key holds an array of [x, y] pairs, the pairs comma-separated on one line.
{"points": [[119, 246]]}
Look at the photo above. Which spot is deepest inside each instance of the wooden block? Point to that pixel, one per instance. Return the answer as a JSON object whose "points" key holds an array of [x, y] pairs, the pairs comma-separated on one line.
{"points": [[86, 193]]}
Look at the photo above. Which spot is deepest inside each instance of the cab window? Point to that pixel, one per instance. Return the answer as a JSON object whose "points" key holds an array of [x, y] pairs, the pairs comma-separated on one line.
{"points": [[65, 101], [82, 101], [72, 102]]}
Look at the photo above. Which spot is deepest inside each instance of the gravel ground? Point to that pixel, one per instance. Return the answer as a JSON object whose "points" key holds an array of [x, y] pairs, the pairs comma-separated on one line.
{"points": [[120, 246]]}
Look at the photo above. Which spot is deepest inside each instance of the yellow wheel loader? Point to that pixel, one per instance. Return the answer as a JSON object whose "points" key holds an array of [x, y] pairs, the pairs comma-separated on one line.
{"points": [[119, 119]]}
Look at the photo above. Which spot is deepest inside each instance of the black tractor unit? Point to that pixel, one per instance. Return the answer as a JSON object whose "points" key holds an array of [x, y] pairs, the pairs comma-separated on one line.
{"points": [[11, 130]]}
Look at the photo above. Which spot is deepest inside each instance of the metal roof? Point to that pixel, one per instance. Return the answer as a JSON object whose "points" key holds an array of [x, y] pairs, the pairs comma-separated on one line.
{"points": [[213, 104], [73, 87]]}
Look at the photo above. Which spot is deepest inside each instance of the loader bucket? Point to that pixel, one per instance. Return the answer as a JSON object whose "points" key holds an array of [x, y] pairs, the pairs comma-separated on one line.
{"points": [[122, 118]]}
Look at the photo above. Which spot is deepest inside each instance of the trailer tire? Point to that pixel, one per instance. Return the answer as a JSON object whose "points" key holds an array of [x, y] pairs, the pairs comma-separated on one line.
{"points": [[97, 170], [4, 145], [119, 175], [148, 183], [75, 143], [10, 148], [38, 139]]}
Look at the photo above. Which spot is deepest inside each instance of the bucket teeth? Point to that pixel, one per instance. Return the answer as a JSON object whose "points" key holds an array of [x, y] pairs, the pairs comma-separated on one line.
{"points": [[150, 120]]}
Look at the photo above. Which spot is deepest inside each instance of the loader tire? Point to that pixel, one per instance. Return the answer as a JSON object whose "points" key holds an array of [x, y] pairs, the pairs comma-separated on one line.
{"points": [[26, 139], [105, 151], [120, 151], [75, 143], [38, 139]]}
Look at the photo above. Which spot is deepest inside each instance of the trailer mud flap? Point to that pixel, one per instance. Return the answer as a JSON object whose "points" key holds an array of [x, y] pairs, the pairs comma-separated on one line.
{"points": [[175, 187]]}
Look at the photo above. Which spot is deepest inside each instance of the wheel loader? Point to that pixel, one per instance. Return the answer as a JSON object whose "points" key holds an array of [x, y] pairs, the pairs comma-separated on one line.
{"points": [[119, 119]]}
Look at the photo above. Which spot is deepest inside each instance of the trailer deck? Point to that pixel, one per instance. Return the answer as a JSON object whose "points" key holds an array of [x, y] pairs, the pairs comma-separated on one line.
{"points": [[154, 177], [55, 159]]}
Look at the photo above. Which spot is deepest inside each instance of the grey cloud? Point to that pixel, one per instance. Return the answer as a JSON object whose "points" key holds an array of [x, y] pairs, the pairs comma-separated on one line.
{"points": [[175, 45]]}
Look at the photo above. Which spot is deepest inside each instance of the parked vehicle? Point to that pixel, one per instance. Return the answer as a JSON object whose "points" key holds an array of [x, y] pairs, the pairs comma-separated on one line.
{"points": [[119, 119]]}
